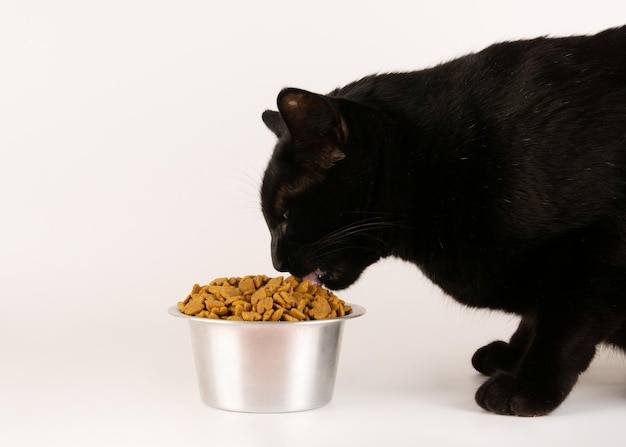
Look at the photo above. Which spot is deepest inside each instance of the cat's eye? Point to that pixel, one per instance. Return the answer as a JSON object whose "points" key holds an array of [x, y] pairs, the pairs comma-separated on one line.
{"points": [[286, 215]]}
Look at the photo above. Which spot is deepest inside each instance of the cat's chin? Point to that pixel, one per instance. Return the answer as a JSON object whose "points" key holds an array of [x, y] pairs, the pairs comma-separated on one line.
{"points": [[338, 283]]}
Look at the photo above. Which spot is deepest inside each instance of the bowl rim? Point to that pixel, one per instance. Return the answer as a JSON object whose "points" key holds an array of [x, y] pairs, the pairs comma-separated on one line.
{"points": [[357, 311]]}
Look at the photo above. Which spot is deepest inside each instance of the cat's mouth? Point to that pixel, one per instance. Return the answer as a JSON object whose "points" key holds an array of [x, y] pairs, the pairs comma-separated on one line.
{"points": [[315, 277]]}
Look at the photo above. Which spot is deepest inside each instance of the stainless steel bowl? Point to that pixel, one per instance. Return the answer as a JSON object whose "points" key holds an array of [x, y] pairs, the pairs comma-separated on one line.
{"points": [[266, 367]]}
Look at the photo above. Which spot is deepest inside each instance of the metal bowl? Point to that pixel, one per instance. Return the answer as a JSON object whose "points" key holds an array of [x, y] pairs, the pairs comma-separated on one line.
{"points": [[266, 367]]}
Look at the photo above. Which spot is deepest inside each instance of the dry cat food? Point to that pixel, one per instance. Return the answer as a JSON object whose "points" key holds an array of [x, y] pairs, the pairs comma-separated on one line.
{"points": [[259, 298]]}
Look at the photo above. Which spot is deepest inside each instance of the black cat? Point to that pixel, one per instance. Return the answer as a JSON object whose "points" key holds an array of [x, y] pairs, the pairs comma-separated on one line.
{"points": [[501, 175]]}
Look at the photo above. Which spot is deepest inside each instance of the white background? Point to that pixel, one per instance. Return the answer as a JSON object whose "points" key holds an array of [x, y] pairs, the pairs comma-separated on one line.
{"points": [[131, 152]]}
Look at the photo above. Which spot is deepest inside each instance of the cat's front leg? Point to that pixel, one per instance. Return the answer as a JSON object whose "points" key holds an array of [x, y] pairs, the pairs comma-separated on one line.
{"points": [[500, 356], [548, 370]]}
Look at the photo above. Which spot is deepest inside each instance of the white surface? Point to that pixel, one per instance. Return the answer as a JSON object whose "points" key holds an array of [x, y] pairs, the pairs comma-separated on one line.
{"points": [[131, 149]]}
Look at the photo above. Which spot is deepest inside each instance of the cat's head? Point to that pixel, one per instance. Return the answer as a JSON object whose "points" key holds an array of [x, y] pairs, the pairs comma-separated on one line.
{"points": [[317, 191]]}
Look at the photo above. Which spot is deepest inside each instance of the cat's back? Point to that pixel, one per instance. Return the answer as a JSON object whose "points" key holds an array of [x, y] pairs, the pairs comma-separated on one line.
{"points": [[591, 64]]}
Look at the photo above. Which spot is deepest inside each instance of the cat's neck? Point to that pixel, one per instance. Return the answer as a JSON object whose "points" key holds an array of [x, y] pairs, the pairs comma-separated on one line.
{"points": [[423, 159]]}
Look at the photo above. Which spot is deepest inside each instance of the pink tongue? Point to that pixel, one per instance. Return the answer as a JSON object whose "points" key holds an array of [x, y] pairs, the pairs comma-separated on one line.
{"points": [[315, 280]]}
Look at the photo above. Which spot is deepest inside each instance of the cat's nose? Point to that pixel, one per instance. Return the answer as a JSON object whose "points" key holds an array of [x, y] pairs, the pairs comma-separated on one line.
{"points": [[277, 262]]}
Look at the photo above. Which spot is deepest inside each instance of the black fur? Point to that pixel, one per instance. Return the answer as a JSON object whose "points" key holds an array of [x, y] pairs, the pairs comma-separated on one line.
{"points": [[501, 174]]}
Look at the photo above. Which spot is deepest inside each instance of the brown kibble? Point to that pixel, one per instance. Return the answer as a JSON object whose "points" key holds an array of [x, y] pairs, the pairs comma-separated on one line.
{"points": [[264, 304], [286, 287], [303, 304], [238, 310], [194, 306], [293, 282], [211, 304], [289, 299], [287, 317], [341, 312], [297, 314], [246, 286], [274, 283], [228, 292], [320, 309], [277, 314], [222, 311], [251, 316], [279, 300], [240, 303], [214, 289], [259, 280], [303, 287], [259, 298], [230, 301]]}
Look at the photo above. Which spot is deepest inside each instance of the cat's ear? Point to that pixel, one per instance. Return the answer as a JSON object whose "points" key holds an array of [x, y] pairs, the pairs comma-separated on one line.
{"points": [[274, 122], [314, 124]]}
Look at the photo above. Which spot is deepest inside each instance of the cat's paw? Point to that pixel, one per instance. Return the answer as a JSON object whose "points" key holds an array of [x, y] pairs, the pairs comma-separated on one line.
{"points": [[503, 394], [495, 357]]}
